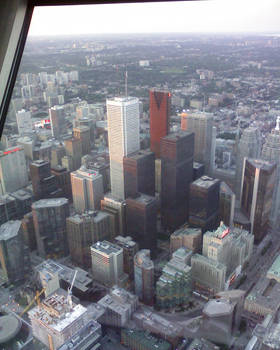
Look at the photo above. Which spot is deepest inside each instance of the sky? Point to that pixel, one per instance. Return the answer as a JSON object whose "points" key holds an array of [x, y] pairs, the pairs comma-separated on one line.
{"points": [[188, 16]]}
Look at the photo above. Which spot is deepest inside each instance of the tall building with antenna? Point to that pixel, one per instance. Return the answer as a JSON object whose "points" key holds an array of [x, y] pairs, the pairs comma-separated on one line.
{"points": [[271, 152], [123, 138]]}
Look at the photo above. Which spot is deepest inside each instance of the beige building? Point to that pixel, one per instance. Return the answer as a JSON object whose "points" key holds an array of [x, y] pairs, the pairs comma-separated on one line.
{"points": [[187, 237], [87, 189], [207, 274]]}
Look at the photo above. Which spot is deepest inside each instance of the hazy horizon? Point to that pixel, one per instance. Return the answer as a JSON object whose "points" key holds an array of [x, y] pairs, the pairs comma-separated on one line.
{"points": [[216, 16]]}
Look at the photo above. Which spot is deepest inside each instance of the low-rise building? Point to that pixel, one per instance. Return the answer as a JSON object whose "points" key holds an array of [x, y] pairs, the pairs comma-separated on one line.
{"points": [[174, 285], [187, 237], [264, 298], [208, 275], [56, 320], [139, 340], [119, 306]]}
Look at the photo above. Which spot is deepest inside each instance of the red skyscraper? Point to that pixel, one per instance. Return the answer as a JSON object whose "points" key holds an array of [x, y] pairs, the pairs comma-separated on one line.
{"points": [[160, 103]]}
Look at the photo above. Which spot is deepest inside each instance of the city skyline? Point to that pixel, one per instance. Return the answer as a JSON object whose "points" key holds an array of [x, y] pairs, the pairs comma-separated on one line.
{"points": [[173, 17]]}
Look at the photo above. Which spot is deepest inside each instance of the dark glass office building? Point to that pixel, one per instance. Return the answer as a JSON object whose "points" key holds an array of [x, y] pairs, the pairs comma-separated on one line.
{"points": [[176, 176], [204, 203], [258, 181], [139, 173], [141, 220]]}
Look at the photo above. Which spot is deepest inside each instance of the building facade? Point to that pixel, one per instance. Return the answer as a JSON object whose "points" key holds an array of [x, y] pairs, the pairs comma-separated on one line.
{"points": [[49, 216], [139, 173], [249, 146], [11, 180], [12, 251], [85, 229], [201, 124], [144, 276], [271, 153], [176, 177], [204, 203], [258, 182], [141, 220], [87, 189], [123, 138], [160, 109], [107, 262]]}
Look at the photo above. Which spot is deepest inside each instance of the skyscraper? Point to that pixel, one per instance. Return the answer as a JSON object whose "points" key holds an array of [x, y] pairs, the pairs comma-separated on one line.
{"points": [[141, 220], [44, 184], [83, 133], [123, 137], [160, 104], [87, 189], [107, 262], [73, 148], [139, 173], [49, 217], [226, 204], [24, 122], [176, 177], [249, 146], [201, 124], [57, 118], [11, 250], [271, 152], [12, 180], [204, 203], [144, 276], [258, 182]]}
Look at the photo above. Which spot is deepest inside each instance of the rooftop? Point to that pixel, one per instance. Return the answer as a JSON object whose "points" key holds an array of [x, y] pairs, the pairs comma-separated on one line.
{"points": [[218, 307], [205, 181], [143, 198], [96, 216], [84, 172], [274, 270], [139, 154], [123, 99], [186, 230], [106, 247], [66, 273], [56, 314], [9, 229], [125, 241], [50, 202], [262, 164], [142, 258], [176, 135]]}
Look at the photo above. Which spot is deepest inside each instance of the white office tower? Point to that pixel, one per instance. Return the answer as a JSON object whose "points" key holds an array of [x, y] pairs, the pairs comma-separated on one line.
{"points": [[24, 122], [123, 137], [107, 263], [201, 124], [13, 171], [249, 147], [271, 152], [58, 122], [87, 189]]}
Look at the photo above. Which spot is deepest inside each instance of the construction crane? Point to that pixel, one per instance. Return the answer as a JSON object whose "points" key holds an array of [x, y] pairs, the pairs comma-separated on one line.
{"points": [[69, 296], [36, 298]]}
